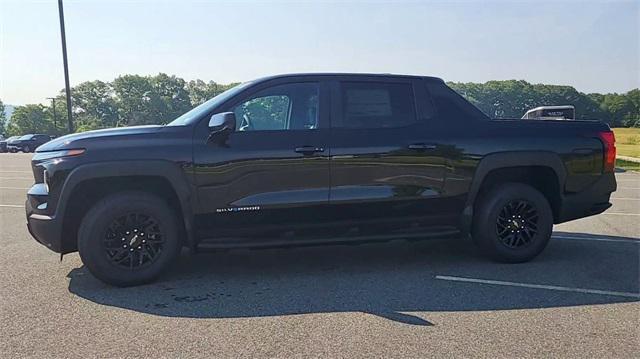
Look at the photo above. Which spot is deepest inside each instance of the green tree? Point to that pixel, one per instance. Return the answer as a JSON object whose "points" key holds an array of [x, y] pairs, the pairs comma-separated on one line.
{"points": [[619, 107], [200, 91], [31, 118], [512, 98], [134, 98], [58, 117], [3, 119], [170, 96], [143, 100], [632, 118], [94, 105]]}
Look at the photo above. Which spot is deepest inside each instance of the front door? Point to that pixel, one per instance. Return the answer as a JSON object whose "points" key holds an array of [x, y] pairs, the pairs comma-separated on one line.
{"points": [[271, 175]]}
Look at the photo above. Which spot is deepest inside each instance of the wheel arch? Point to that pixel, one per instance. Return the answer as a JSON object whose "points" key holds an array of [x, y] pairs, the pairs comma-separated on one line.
{"points": [[163, 178], [517, 166]]}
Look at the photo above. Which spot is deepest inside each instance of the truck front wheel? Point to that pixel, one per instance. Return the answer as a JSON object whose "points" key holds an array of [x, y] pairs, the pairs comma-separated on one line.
{"points": [[512, 223], [128, 238]]}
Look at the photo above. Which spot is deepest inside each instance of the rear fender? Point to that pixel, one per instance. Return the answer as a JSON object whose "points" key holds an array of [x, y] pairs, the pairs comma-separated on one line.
{"points": [[506, 160]]}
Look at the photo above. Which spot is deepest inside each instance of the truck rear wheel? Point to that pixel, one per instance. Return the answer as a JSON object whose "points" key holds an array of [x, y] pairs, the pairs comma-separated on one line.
{"points": [[513, 223], [128, 238]]}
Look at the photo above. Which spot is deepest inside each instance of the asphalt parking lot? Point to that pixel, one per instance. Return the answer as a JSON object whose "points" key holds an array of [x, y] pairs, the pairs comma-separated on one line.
{"points": [[397, 299]]}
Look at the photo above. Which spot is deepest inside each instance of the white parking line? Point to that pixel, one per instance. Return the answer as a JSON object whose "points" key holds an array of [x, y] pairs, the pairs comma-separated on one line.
{"points": [[629, 188], [597, 239], [621, 214], [22, 188], [16, 178], [5, 171], [12, 205], [626, 198], [540, 286]]}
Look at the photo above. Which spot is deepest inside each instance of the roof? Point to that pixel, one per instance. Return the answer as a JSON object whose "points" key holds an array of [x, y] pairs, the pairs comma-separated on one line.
{"points": [[347, 74]]}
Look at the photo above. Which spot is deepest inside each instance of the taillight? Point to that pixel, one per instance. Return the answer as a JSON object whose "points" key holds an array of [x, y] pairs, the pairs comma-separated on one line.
{"points": [[609, 143]]}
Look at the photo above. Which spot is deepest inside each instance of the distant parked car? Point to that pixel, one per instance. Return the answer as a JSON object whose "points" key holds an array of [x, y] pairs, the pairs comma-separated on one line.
{"points": [[27, 143], [3, 143], [564, 112]]}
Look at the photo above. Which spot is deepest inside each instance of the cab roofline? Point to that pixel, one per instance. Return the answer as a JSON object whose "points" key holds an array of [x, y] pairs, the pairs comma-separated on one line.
{"points": [[347, 74]]}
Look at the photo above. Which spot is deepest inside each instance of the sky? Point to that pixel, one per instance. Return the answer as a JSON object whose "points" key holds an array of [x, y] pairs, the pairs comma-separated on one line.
{"points": [[593, 46]]}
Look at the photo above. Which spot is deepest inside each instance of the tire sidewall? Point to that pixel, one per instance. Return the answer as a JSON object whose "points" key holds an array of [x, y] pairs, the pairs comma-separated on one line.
{"points": [[93, 228], [485, 222]]}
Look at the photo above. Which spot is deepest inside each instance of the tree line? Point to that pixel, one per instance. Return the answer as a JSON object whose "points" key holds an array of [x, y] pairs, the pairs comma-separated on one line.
{"points": [[139, 100], [128, 100], [512, 98]]}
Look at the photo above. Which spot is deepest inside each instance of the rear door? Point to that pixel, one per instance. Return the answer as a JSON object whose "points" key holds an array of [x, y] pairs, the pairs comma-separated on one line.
{"points": [[387, 167], [272, 174]]}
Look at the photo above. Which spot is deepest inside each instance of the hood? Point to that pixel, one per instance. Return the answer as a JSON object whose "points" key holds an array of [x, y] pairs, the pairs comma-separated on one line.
{"points": [[75, 140]]}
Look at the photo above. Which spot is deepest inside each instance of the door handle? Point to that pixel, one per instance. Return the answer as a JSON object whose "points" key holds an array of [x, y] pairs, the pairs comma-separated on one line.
{"points": [[421, 146], [308, 150]]}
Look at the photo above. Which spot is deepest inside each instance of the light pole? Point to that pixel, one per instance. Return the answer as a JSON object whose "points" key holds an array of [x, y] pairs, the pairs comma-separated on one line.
{"points": [[66, 66], [55, 118]]}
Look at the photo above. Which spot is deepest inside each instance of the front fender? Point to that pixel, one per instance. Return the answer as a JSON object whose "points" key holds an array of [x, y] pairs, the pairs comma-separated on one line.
{"points": [[170, 171]]}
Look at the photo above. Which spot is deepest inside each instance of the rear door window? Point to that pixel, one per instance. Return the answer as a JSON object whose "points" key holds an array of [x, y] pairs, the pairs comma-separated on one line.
{"points": [[376, 105]]}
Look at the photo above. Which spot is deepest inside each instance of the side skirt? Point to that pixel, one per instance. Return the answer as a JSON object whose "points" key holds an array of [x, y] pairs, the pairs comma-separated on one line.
{"points": [[231, 243]]}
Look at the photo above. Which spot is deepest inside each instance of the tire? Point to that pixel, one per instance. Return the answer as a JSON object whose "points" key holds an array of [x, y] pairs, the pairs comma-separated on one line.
{"points": [[513, 223], [26, 149], [114, 246]]}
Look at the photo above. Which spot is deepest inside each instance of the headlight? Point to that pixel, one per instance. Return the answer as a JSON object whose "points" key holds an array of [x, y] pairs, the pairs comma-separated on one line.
{"points": [[40, 156]]}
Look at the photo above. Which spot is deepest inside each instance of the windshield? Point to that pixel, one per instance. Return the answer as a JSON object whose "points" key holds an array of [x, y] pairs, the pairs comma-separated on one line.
{"points": [[26, 137], [207, 106]]}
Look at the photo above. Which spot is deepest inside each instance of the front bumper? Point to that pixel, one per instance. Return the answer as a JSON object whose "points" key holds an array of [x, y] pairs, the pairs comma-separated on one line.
{"points": [[44, 228]]}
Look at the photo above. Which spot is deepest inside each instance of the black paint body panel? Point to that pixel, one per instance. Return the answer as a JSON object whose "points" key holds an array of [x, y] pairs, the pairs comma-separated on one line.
{"points": [[253, 188]]}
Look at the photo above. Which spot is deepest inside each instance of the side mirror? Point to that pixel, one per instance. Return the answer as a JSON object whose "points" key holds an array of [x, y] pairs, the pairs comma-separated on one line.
{"points": [[222, 122], [220, 126]]}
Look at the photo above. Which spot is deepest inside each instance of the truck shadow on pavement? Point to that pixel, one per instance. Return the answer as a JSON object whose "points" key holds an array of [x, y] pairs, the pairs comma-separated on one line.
{"points": [[390, 280]]}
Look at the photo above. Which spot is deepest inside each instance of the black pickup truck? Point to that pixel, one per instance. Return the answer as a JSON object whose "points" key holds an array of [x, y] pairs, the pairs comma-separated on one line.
{"points": [[316, 158]]}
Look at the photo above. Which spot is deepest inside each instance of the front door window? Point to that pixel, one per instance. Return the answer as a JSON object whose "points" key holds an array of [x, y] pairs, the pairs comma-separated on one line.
{"points": [[284, 107]]}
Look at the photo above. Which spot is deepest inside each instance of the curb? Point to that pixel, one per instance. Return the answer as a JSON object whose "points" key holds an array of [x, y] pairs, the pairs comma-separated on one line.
{"points": [[627, 158]]}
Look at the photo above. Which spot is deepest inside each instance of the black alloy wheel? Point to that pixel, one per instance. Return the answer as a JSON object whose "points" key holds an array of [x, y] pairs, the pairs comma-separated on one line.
{"points": [[512, 222], [129, 238], [133, 240], [517, 223]]}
